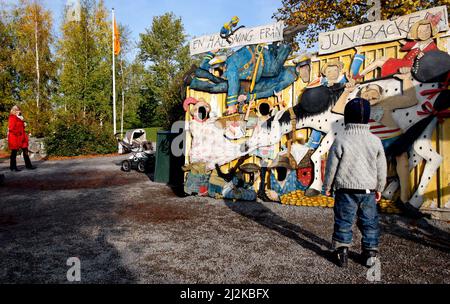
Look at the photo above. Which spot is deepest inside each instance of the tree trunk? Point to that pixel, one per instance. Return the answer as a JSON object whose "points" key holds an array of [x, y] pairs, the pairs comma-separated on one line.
{"points": [[38, 73], [123, 96]]}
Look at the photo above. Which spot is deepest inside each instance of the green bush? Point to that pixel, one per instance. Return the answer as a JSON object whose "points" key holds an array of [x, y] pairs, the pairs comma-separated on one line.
{"points": [[74, 138]]}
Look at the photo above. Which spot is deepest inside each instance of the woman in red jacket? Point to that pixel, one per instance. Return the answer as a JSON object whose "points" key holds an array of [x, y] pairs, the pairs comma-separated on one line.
{"points": [[17, 139]]}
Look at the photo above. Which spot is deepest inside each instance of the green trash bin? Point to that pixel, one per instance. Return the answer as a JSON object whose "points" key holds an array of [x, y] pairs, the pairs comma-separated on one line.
{"points": [[168, 166]]}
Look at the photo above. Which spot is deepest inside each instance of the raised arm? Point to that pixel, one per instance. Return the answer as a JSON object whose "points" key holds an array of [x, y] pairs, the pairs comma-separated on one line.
{"points": [[339, 107], [409, 97]]}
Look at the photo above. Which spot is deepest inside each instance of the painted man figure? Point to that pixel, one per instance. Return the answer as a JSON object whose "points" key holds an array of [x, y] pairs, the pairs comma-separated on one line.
{"points": [[263, 67]]}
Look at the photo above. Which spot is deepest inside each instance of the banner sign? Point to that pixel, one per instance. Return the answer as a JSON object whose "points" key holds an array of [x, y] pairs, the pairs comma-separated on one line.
{"points": [[244, 36], [378, 31]]}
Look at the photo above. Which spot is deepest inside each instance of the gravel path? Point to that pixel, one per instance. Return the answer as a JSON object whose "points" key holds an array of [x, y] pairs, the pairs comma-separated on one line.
{"points": [[126, 229]]}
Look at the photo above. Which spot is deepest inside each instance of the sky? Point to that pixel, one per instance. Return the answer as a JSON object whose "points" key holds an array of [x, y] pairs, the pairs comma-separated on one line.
{"points": [[199, 17]]}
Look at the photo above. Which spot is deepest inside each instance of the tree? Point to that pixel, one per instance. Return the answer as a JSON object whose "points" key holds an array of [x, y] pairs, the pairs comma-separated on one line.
{"points": [[135, 95], [84, 52], [325, 15], [33, 62], [163, 48], [8, 74]]}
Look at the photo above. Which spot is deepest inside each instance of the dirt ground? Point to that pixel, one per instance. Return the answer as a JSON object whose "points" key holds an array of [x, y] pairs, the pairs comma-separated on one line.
{"points": [[127, 229]]}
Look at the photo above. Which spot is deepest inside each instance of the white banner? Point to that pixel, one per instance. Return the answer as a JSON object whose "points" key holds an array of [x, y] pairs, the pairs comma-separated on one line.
{"points": [[378, 31], [245, 36]]}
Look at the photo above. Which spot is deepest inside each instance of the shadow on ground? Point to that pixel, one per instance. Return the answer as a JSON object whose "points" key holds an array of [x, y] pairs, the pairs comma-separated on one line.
{"points": [[268, 219], [46, 219]]}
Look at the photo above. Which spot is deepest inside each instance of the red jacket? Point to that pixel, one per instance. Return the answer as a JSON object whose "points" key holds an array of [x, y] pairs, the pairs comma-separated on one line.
{"points": [[17, 137]]}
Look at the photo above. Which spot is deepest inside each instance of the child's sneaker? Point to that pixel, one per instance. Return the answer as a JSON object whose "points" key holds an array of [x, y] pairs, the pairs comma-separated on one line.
{"points": [[342, 257], [370, 257]]}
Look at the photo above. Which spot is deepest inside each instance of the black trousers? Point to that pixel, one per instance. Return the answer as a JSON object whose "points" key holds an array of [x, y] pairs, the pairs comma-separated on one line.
{"points": [[13, 161]]}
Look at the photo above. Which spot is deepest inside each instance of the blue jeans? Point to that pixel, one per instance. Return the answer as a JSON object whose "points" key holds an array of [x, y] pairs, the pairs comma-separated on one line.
{"points": [[346, 207]]}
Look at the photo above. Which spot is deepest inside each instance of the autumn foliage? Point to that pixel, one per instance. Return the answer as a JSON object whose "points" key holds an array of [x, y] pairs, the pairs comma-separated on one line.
{"points": [[325, 15]]}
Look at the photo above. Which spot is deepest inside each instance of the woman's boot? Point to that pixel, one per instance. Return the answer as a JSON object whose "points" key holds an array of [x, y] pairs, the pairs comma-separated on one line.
{"points": [[13, 161], [27, 160]]}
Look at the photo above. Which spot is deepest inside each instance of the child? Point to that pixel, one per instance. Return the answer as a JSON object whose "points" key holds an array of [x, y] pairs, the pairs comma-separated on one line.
{"points": [[356, 171]]}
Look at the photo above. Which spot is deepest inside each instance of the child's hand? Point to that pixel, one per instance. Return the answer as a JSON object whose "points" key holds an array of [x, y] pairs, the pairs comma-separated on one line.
{"points": [[404, 73], [328, 193], [405, 70], [378, 196], [350, 86]]}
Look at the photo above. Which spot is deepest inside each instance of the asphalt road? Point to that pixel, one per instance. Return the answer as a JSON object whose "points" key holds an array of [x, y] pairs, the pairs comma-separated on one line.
{"points": [[126, 229]]}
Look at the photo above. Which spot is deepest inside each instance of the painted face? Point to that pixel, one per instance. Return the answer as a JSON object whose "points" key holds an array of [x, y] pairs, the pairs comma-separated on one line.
{"points": [[424, 32], [305, 73], [332, 73], [372, 95]]}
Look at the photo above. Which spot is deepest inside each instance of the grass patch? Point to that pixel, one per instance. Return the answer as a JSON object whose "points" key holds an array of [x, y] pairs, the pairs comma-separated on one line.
{"points": [[152, 133]]}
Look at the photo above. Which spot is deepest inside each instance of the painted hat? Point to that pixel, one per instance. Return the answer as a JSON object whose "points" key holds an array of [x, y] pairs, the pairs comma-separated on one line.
{"points": [[235, 20], [187, 102], [315, 100], [249, 168], [281, 161], [433, 66], [218, 60], [195, 110], [302, 59], [413, 31], [337, 63]]}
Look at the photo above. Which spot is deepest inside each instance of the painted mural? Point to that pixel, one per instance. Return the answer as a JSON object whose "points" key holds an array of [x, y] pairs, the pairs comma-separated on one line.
{"points": [[269, 137]]}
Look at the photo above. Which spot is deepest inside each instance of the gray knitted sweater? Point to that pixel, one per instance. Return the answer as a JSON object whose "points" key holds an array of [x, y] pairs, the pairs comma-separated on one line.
{"points": [[356, 161]]}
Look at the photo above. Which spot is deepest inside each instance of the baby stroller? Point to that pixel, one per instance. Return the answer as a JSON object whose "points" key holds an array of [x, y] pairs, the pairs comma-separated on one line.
{"points": [[142, 152]]}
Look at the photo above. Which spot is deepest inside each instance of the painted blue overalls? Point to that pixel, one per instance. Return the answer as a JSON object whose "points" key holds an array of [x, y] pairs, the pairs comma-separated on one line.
{"points": [[269, 73]]}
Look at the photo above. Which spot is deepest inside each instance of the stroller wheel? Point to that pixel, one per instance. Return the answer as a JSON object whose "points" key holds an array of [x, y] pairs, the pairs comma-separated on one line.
{"points": [[126, 166], [141, 166]]}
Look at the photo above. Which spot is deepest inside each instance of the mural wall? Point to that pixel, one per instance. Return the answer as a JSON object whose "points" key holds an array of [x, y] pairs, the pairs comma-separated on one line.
{"points": [[261, 119]]}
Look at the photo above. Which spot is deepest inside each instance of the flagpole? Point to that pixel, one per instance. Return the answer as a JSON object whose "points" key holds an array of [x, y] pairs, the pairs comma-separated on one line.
{"points": [[114, 74]]}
